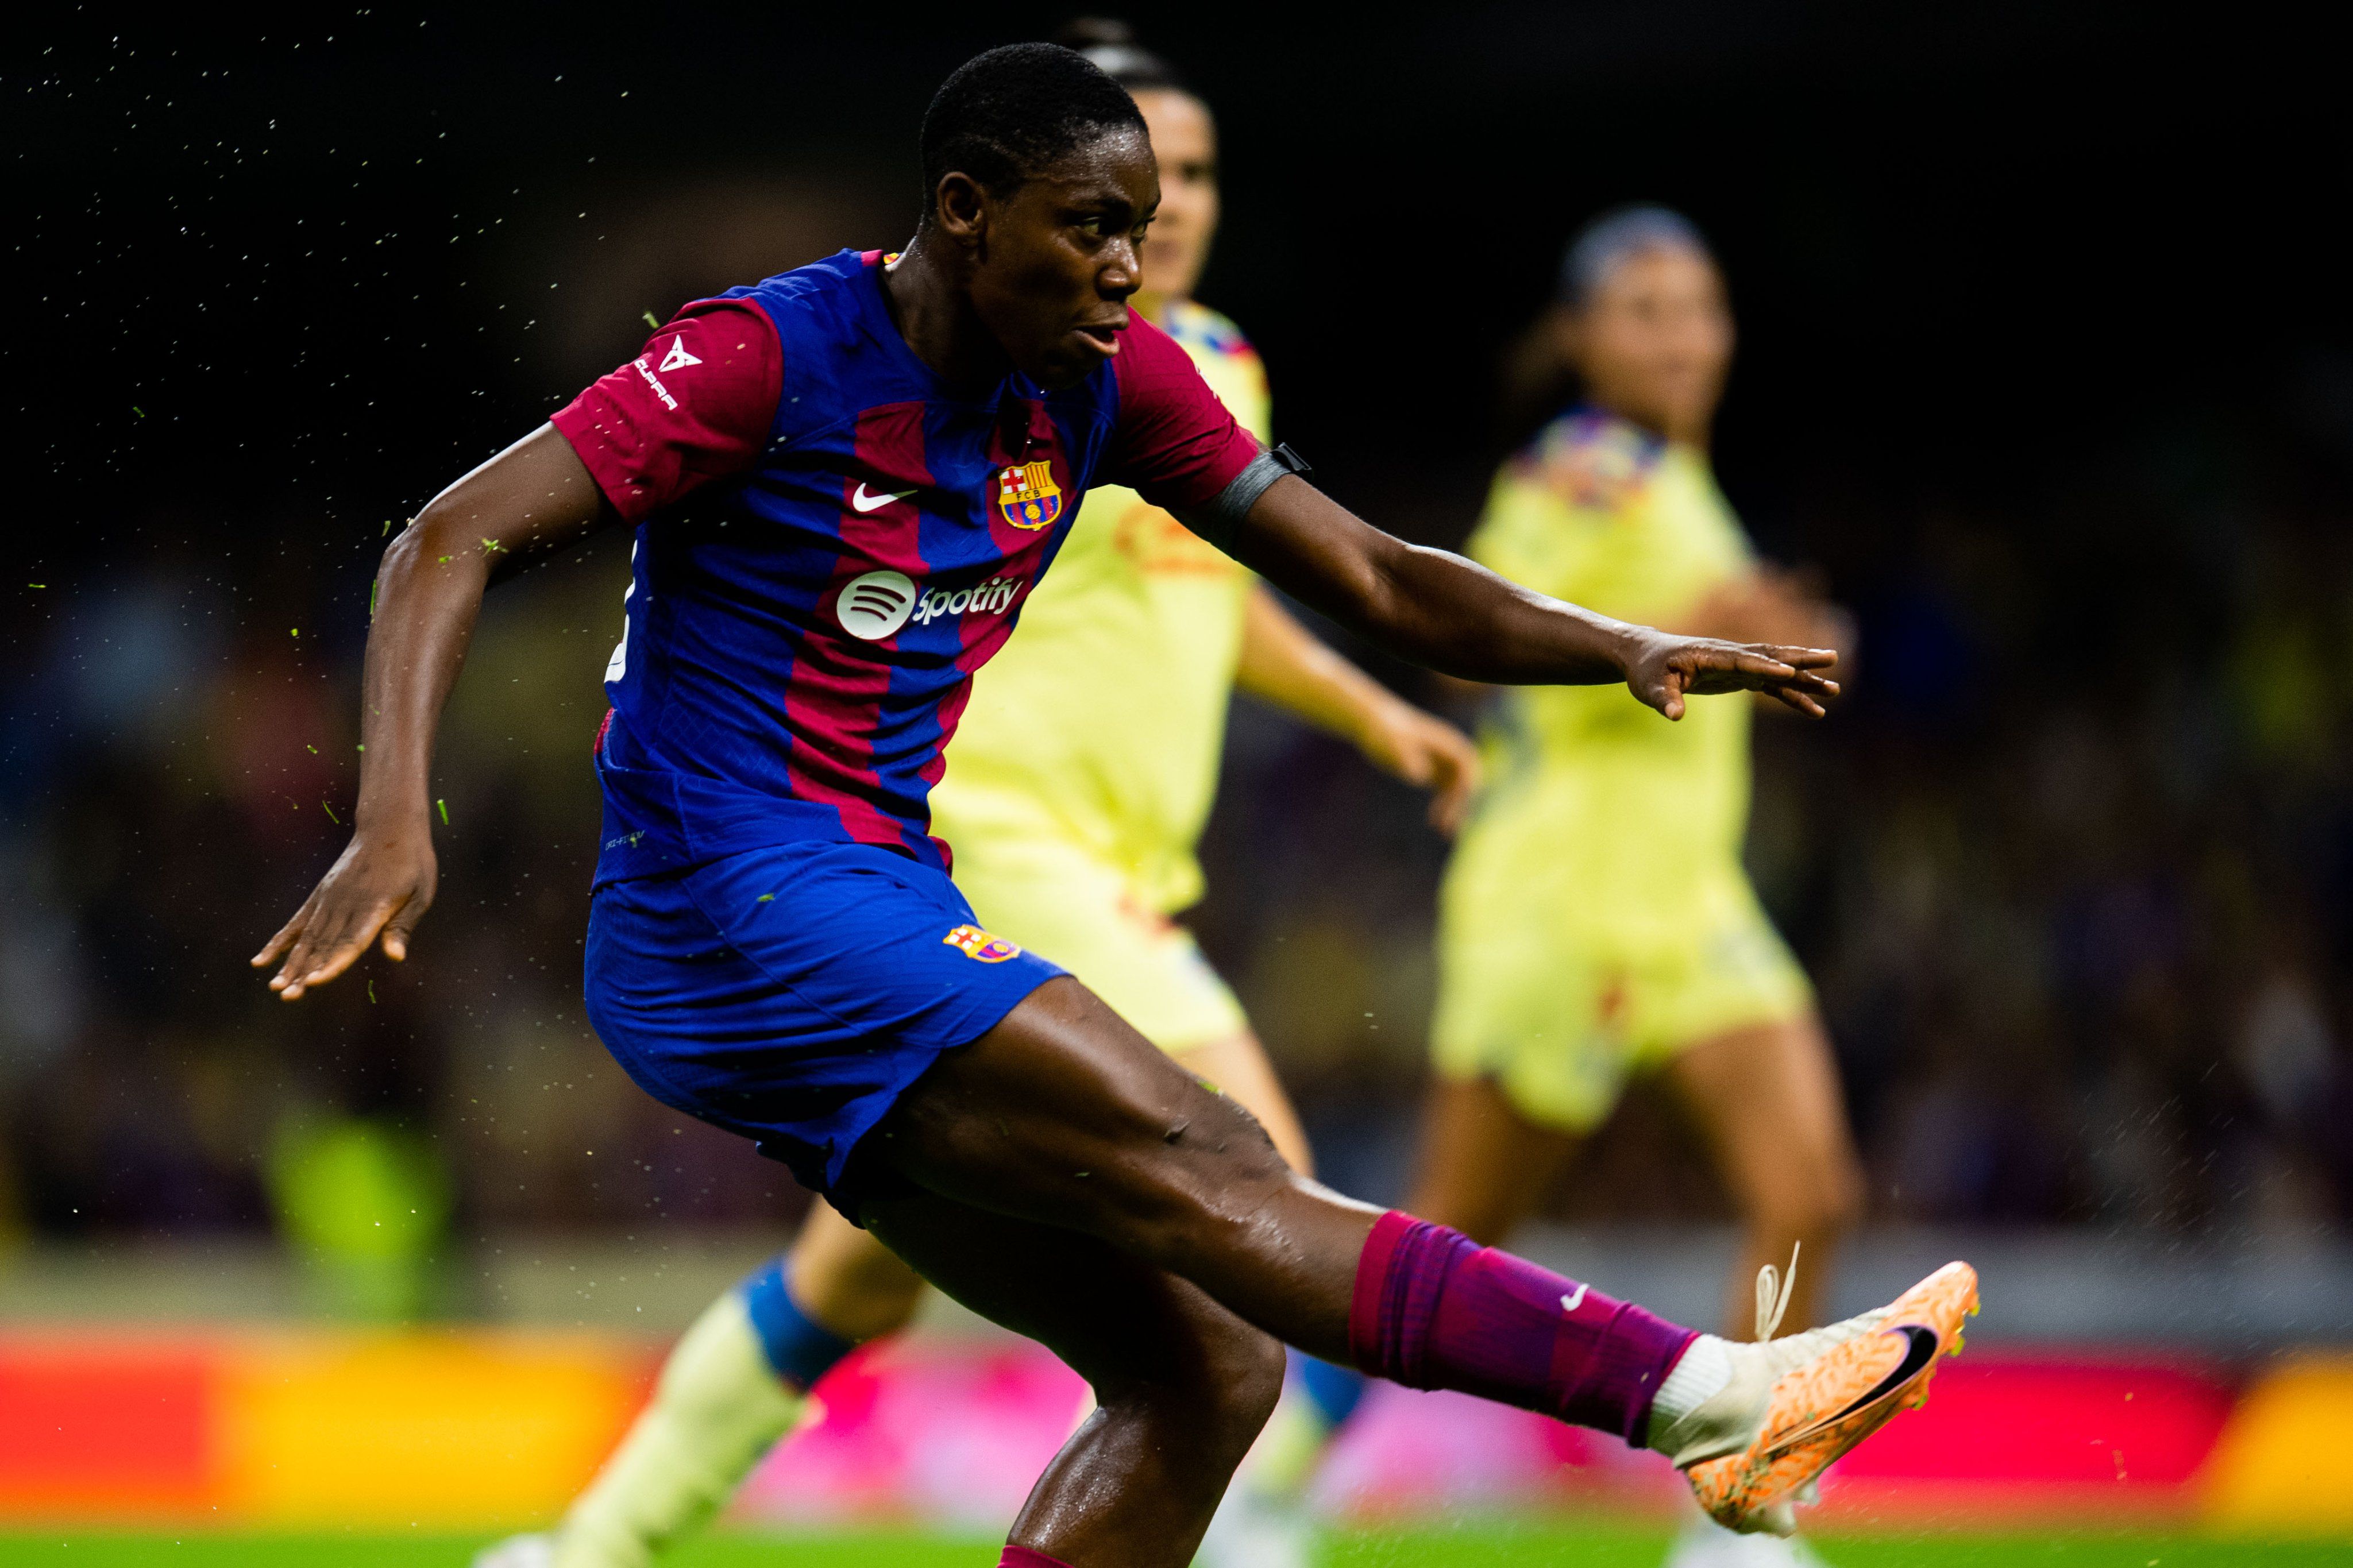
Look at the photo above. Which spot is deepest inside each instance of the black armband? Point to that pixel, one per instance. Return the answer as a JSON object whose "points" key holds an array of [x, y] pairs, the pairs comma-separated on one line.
{"points": [[1220, 518]]}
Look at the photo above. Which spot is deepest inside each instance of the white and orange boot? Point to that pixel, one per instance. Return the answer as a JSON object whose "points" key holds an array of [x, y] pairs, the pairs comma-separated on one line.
{"points": [[1780, 1411]]}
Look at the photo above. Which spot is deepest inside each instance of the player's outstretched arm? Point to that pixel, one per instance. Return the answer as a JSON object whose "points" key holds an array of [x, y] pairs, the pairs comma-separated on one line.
{"points": [[1461, 619], [531, 499], [1290, 667]]}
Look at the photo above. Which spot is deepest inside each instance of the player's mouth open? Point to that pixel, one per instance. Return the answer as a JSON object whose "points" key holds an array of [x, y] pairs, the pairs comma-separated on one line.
{"points": [[1102, 336]]}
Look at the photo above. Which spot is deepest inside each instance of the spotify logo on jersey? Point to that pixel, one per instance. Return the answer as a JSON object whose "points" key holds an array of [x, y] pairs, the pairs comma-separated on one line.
{"points": [[873, 606]]}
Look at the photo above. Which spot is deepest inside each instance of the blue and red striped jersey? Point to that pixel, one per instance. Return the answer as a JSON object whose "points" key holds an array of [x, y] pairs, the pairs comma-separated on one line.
{"points": [[829, 541]]}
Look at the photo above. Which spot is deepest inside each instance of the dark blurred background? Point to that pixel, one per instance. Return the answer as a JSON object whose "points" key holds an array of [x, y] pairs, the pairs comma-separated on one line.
{"points": [[2047, 364]]}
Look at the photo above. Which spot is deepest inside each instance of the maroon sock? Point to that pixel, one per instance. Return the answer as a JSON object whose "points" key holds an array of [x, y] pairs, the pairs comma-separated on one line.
{"points": [[1022, 1557], [1435, 1309]]}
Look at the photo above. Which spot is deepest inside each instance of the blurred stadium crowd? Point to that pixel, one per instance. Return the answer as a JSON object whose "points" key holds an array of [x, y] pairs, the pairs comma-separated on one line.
{"points": [[2071, 868]]}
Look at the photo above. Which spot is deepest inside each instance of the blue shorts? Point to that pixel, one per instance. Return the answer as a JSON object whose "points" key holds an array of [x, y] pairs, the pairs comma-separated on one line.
{"points": [[791, 994]]}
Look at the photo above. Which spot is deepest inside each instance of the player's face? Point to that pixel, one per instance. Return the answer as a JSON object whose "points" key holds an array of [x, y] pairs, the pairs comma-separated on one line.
{"points": [[1052, 274], [1654, 342], [1185, 145]]}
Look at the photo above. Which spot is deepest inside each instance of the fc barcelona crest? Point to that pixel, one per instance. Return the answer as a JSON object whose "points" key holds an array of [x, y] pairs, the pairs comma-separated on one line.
{"points": [[1027, 494]]}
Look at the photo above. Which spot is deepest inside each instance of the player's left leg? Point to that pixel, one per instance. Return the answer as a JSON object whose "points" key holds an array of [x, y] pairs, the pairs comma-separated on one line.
{"points": [[1237, 1068], [1766, 1099], [1061, 1114]]}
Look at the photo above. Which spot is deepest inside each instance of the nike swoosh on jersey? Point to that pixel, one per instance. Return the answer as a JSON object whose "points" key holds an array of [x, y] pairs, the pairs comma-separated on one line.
{"points": [[865, 502], [1571, 1303], [1918, 1352]]}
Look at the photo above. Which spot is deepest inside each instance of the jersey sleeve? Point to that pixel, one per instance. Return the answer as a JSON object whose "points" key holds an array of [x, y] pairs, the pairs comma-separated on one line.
{"points": [[695, 407], [1173, 444]]}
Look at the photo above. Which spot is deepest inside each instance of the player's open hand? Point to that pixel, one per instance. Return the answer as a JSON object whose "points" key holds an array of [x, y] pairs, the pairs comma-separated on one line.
{"points": [[1664, 670], [1425, 750], [380, 885]]}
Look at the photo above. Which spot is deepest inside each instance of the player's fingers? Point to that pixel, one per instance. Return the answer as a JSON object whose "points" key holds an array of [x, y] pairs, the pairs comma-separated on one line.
{"points": [[1754, 662], [1790, 698], [1670, 698], [302, 936], [1451, 804], [328, 960], [332, 946], [1798, 658], [398, 929], [280, 943]]}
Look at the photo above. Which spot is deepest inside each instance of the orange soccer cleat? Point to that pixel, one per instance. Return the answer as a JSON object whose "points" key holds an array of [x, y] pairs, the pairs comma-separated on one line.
{"points": [[1792, 1406]]}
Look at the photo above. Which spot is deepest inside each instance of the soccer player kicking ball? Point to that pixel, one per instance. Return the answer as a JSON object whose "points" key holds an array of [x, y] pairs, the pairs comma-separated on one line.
{"points": [[1081, 775], [860, 469]]}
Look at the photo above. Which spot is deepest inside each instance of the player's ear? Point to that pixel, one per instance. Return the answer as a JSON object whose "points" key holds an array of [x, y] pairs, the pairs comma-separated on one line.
{"points": [[961, 208]]}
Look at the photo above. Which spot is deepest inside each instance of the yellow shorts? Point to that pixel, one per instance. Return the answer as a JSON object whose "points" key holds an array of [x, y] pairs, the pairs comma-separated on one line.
{"points": [[1062, 902], [1562, 1024]]}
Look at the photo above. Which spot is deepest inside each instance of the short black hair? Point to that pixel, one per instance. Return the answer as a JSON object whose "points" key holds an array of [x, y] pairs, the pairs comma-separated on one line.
{"points": [[1004, 116]]}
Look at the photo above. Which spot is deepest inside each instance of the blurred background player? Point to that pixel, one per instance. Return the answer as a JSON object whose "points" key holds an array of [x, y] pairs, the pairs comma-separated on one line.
{"points": [[1081, 779], [1578, 946]]}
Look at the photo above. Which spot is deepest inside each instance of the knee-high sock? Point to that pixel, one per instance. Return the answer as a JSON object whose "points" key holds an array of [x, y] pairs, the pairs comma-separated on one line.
{"points": [[1022, 1557], [1435, 1309], [736, 1383]]}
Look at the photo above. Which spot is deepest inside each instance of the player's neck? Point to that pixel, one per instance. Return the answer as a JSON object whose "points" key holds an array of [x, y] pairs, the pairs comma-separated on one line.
{"points": [[933, 312]]}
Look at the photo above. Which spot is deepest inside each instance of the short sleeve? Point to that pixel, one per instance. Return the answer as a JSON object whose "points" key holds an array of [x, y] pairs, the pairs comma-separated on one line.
{"points": [[1174, 443], [695, 407]]}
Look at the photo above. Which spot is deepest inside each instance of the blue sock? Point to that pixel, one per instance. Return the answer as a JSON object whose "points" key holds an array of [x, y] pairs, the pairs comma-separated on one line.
{"points": [[801, 1350], [1334, 1391]]}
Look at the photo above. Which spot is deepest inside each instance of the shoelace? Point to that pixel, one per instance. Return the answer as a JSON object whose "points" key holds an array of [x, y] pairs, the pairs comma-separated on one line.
{"points": [[1773, 1289]]}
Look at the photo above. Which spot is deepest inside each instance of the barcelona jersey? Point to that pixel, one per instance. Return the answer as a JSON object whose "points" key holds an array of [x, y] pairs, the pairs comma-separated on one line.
{"points": [[1100, 726], [830, 541]]}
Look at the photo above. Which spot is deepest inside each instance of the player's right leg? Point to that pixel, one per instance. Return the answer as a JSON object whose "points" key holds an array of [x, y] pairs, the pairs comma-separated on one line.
{"points": [[1483, 1166], [1062, 1115]]}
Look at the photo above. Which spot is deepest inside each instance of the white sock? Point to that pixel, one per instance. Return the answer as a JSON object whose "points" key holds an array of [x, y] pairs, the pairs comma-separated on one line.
{"points": [[1704, 1371], [718, 1407]]}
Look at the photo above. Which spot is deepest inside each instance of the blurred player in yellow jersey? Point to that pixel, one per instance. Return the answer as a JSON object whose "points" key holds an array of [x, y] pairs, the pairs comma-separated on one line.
{"points": [[1077, 786], [1596, 924], [1575, 949]]}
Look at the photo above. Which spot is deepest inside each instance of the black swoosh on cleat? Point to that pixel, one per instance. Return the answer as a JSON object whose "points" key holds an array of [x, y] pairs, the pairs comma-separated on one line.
{"points": [[1919, 1354]]}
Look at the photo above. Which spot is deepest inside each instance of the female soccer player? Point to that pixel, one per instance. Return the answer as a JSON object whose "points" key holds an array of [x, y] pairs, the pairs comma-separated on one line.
{"points": [[844, 479], [1079, 784], [1577, 948]]}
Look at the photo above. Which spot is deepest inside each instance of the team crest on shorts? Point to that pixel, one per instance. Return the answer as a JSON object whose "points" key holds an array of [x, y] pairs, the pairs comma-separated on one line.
{"points": [[1027, 494], [974, 942]]}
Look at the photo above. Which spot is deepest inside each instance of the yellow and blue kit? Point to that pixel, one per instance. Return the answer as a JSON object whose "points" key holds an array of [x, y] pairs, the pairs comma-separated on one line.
{"points": [[1596, 917], [1086, 761]]}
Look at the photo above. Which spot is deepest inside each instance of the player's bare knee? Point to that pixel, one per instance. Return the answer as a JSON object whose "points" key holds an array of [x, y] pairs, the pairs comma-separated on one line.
{"points": [[1212, 1166]]}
